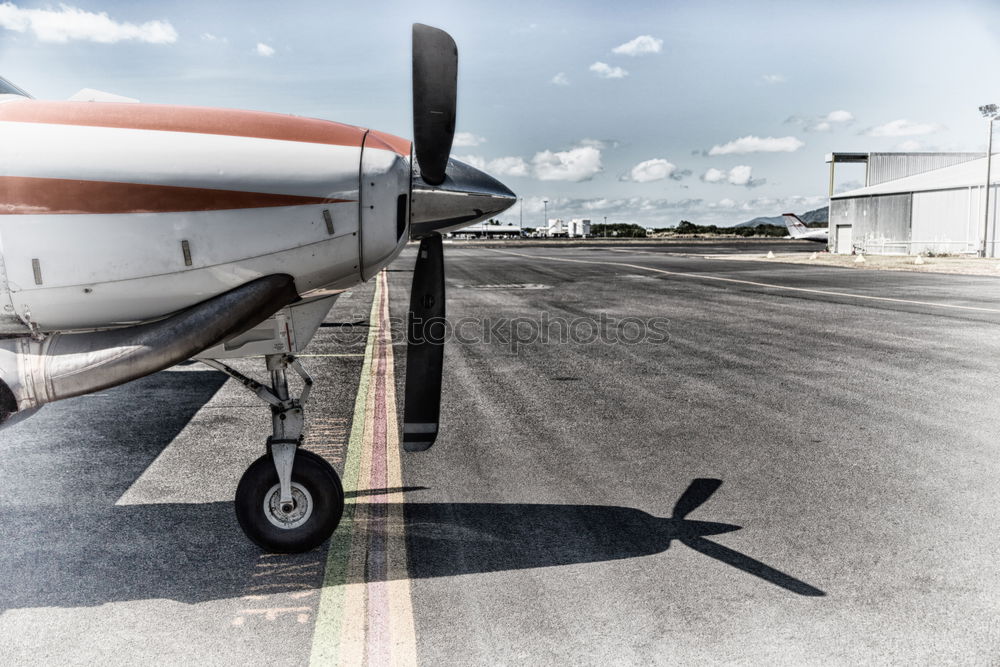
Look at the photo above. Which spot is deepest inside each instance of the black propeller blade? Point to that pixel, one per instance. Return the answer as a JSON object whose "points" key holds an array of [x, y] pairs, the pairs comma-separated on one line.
{"points": [[698, 491], [425, 347], [435, 88]]}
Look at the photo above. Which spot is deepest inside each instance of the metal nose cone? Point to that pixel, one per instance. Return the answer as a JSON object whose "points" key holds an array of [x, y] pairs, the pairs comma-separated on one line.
{"points": [[466, 196]]}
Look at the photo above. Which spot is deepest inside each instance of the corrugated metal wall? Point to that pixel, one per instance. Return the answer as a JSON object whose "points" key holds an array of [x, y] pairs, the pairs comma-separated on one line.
{"points": [[947, 221], [940, 221], [884, 167], [881, 224]]}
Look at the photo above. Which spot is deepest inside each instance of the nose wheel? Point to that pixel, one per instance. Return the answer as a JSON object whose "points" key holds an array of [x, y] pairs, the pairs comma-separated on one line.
{"points": [[290, 500], [294, 526]]}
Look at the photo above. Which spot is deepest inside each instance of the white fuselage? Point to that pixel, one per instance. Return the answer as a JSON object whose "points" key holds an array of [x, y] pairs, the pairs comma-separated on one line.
{"points": [[118, 213], [819, 235]]}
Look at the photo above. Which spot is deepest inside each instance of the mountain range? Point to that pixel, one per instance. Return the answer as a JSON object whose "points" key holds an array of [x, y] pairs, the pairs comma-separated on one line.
{"points": [[815, 215]]}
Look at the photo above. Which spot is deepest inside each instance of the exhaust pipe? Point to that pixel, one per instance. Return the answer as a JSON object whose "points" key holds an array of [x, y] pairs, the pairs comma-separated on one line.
{"points": [[36, 372]]}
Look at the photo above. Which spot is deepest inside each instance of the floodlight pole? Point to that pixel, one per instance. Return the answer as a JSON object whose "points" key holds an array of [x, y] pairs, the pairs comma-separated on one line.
{"points": [[986, 206], [545, 222], [990, 113]]}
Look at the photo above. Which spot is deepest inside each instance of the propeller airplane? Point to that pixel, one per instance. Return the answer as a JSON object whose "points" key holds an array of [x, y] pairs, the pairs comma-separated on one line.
{"points": [[137, 236]]}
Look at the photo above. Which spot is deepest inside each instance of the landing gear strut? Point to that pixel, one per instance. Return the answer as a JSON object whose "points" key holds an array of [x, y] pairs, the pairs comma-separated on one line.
{"points": [[288, 500]]}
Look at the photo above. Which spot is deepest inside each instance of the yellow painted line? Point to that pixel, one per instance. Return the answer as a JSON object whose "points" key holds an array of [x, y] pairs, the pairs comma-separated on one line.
{"points": [[349, 624], [402, 633], [346, 354], [355, 622], [336, 589], [700, 276]]}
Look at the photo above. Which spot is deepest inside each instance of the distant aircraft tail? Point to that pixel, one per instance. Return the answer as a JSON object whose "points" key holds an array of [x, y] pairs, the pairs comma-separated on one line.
{"points": [[796, 228]]}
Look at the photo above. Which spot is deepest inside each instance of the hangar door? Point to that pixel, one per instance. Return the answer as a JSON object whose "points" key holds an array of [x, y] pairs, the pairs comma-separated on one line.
{"points": [[947, 221]]}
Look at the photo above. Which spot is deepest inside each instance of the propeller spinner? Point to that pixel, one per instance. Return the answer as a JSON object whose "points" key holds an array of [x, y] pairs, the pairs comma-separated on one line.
{"points": [[446, 194]]}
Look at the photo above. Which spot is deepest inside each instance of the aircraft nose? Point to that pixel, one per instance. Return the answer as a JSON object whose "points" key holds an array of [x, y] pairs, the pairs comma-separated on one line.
{"points": [[466, 196]]}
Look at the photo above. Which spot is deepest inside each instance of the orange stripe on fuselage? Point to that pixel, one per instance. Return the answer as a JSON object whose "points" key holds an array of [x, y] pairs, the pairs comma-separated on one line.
{"points": [[20, 195], [203, 120], [389, 142]]}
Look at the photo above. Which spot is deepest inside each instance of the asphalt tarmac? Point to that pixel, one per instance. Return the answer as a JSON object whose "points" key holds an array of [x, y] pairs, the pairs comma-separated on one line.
{"points": [[645, 458]]}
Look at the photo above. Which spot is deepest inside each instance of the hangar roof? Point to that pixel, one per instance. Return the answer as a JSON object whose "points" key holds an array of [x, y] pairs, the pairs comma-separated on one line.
{"points": [[964, 175]]}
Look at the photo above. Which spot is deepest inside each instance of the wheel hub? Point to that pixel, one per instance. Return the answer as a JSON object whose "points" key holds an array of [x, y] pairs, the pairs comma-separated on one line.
{"points": [[288, 515]]}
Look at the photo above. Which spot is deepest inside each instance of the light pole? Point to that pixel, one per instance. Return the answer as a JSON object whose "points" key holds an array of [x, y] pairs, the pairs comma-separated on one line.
{"points": [[545, 220], [990, 112], [605, 227]]}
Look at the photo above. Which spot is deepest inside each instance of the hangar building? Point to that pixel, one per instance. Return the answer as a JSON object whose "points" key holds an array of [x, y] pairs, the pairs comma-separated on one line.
{"points": [[915, 203]]}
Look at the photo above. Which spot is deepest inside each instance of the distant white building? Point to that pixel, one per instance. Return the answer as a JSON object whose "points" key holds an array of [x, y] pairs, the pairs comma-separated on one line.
{"points": [[559, 228], [556, 228], [578, 227], [487, 230]]}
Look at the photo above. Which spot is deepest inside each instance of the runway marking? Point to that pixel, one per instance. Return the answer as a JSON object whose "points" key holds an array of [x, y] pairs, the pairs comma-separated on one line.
{"points": [[280, 591], [366, 614], [700, 276]]}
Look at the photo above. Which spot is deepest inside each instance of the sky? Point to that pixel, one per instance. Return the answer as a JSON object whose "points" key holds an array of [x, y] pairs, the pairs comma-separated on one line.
{"points": [[640, 112]]}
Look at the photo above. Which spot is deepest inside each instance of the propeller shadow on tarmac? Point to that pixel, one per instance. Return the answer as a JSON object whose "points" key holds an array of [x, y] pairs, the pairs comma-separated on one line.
{"points": [[465, 538]]}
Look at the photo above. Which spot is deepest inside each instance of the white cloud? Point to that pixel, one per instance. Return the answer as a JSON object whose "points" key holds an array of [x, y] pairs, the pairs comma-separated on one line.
{"points": [[739, 175], [910, 145], [577, 164], [723, 203], [560, 79], [508, 166], [599, 204], [501, 166], [466, 139], [903, 128], [641, 45], [264, 50], [825, 123], [757, 204], [773, 78], [606, 71], [831, 120], [753, 144], [651, 170], [69, 23], [473, 160], [714, 175], [596, 143], [839, 116]]}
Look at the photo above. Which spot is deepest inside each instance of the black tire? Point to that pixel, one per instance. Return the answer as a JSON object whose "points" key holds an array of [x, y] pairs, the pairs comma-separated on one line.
{"points": [[315, 485]]}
